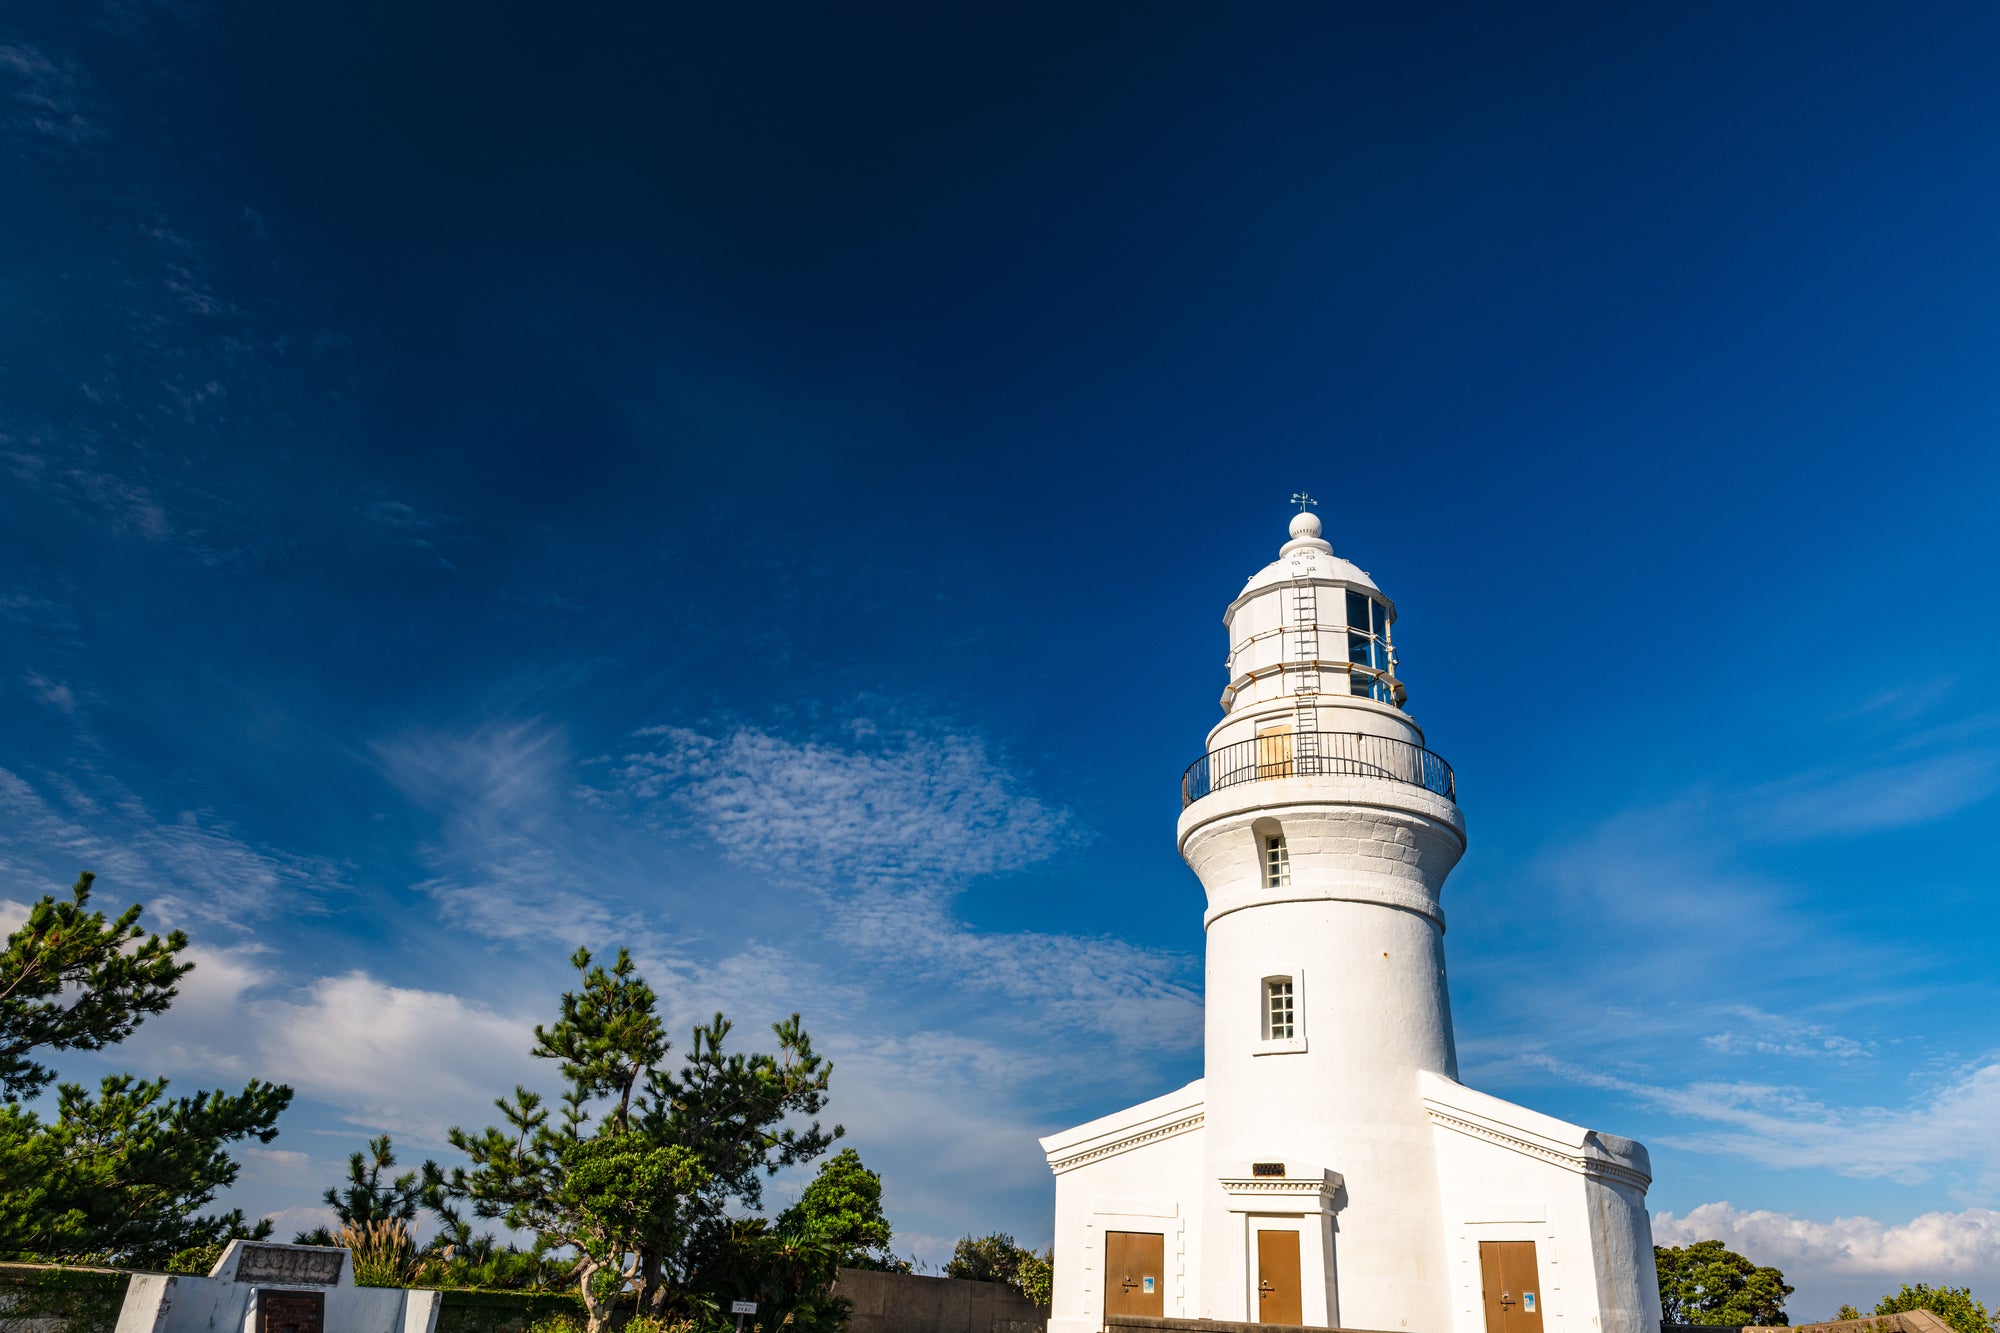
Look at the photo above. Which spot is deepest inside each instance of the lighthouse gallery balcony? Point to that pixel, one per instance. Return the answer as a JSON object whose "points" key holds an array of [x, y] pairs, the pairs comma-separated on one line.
{"points": [[1315, 754]]}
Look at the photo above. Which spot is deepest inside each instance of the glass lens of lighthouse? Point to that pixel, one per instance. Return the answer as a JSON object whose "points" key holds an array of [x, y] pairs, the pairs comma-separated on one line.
{"points": [[1367, 646]]}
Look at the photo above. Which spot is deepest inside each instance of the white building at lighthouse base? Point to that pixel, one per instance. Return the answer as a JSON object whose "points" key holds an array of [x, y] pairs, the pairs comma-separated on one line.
{"points": [[1507, 1174]]}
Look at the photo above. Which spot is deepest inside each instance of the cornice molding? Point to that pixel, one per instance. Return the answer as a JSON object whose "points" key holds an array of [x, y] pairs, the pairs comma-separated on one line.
{"points": [[1302, 1194], [1601, 1168], [1266, 1185], [1173, 1128]]}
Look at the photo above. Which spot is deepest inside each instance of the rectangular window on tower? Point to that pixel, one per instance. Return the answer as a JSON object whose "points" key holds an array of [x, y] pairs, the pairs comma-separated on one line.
{"points": [[1277, 863], [1278, 1016]]}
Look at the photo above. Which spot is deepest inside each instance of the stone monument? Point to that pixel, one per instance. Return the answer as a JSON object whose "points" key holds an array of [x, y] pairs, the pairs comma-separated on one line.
{"points": [[259, 1287]]}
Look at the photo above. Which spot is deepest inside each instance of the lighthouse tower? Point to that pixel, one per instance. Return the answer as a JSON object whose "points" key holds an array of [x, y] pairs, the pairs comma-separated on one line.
{"points": [[1329, 1169], [1322, 831]]}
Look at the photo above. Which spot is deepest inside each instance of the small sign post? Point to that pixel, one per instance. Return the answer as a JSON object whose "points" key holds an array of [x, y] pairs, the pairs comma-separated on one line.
{"points": [[741, 1308]]}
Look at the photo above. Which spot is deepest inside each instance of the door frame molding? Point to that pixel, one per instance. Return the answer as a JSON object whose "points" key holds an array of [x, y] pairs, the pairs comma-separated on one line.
{"points": [[1173, 1226], [1465, 1257]]}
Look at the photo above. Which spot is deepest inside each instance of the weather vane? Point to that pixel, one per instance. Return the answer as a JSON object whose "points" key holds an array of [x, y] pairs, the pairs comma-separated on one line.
{"points": [[1301, 499]]}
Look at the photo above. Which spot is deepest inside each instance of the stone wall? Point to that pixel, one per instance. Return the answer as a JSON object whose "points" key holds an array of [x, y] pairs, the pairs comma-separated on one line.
{"points": [[909, 1303], [1133, 1323], [1909, 1321], [36, 1298]]}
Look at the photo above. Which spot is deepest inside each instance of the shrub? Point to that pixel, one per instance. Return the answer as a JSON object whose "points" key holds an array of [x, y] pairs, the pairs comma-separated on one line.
{"points": [[1954, 1305], [198, 1260], [384, 1253]]}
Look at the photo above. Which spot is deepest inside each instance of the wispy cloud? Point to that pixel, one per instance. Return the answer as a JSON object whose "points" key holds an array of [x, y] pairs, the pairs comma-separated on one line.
{"points": [[406, 525], [153, 357], [53, 693], [1906, 794], [1132, 1000], [1773, 1034], [47, 94], [188, 867], [899, 807], [889, 825], [1946, 1129], [508, 864]]}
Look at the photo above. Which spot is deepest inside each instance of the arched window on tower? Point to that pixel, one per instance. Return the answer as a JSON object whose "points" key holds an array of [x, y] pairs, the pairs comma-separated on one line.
{"points": [[1277, 862], [1281, 1013]]}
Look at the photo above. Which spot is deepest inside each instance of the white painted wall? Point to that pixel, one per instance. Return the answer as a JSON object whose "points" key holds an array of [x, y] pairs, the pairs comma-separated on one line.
{"points": [[1510, 1173], [1137, 1170]]}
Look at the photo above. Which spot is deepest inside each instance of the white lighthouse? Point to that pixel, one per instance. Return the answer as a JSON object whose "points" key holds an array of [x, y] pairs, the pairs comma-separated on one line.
{"points": [[1329, 1169]]}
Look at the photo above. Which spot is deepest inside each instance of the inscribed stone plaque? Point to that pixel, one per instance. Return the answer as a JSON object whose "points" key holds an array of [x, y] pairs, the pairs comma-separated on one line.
{"points": [[297, 1265], [291, 1311]]}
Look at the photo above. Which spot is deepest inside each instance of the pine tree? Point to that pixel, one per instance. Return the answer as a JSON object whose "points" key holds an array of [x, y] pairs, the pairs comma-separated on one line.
{"points": [[125, 1173], [641, 1168]]}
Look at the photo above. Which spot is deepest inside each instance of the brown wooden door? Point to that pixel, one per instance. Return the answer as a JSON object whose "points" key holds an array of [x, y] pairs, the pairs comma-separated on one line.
{"points": [[1511, 1286], [1279, 1297], [291, 1311], [1274, 751], [1135, 1273]]}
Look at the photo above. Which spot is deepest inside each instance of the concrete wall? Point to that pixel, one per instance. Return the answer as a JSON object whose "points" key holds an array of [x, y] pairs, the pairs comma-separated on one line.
{"points": [[910, 1303]]}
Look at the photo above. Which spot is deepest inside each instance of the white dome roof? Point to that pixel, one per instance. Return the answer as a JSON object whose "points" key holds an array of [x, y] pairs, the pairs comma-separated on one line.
{"points": [[1309, 555]]}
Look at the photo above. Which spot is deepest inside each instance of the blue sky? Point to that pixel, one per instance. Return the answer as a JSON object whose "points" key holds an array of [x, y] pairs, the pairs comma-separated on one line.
{"points": [[760, 485]]}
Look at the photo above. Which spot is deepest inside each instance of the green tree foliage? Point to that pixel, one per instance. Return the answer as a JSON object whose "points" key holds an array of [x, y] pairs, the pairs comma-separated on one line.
{"points": [[843, 1206], [125, 1174], [639, 1170], [996, 1258], [1035, 1278], [73, 980], [364, 1200], [788, 1265], [788, 1273], [1954, 1305], [1705, 1283]]}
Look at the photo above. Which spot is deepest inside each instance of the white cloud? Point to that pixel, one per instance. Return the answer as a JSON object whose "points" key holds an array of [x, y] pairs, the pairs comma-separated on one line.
{"points": [[412, 1061], [1850, 1258], [385, 1057], [289, 1222]]}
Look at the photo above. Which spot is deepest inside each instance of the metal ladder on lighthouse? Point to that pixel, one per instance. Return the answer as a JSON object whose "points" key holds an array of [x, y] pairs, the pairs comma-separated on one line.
{"points": [[1305, 687]]}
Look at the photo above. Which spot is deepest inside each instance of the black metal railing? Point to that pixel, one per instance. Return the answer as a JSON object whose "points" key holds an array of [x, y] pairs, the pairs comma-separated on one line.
{"points": [[1343, 753]]}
